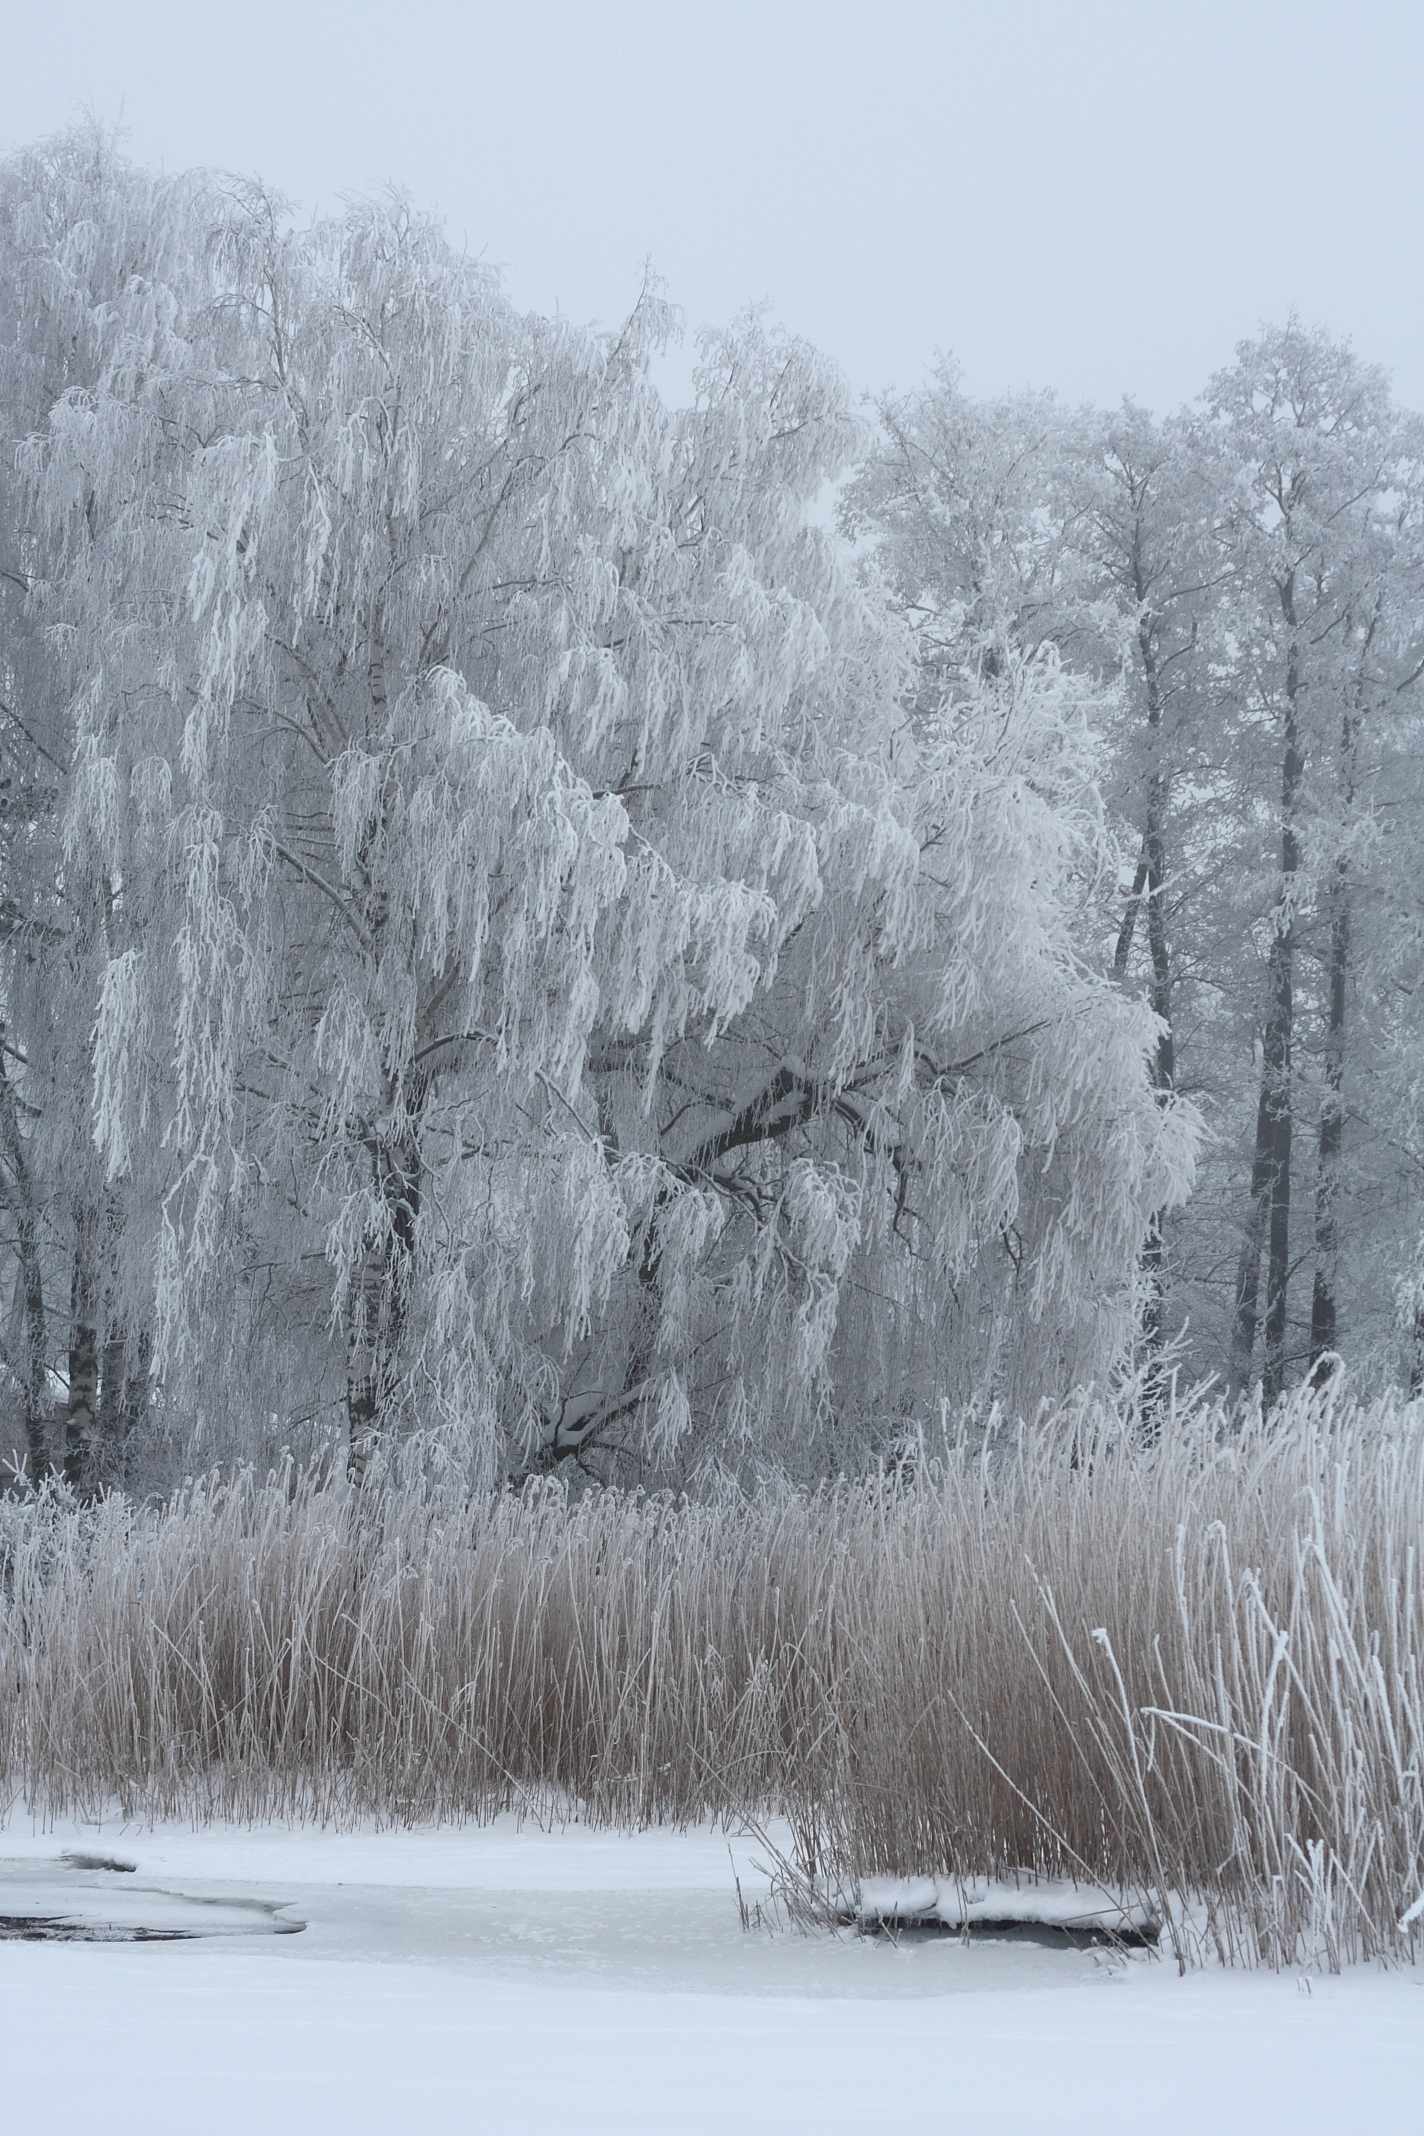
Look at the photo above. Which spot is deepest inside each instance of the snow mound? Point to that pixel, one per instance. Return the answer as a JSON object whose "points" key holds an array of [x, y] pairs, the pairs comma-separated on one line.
{"points": [[978, 1902]]}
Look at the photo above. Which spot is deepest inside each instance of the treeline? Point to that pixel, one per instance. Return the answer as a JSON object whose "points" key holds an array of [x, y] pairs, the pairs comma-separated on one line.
{"points": [[513, 928], [1246, 580]]}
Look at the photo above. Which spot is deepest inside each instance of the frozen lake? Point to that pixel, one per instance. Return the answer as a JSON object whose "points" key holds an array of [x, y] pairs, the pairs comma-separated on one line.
{"points": [[497, 1978]]}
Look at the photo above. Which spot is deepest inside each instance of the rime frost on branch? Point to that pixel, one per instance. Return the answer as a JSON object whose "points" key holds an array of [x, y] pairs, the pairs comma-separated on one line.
{"points": [[547, 970]]}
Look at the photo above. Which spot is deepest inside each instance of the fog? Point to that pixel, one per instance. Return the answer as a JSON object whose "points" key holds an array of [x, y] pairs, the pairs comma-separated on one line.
{"points": [[1101, 198]]}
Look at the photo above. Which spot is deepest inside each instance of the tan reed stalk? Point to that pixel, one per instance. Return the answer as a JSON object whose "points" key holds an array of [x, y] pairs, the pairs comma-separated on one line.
{"points": [[1191, 1669]]}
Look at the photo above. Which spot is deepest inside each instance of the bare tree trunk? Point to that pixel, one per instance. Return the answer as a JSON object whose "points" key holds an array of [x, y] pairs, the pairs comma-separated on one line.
{"points": [[1149, 884], [36, 1361], [380, 1287], [1248, 1267], [82, 1408], [1125, 933], [1416, 1354], [1323, 1303], [1154, 1254], [381, 1290], [108, 1370], [124, 1391], [1268, 1221], [366, 1356], [113, 1361], [137, 1385], [1273, 1370]]}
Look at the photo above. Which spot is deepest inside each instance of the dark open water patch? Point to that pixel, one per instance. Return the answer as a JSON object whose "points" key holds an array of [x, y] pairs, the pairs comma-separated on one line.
{"points": [[1048, 1935], [42, 1928], [94, 1898]]}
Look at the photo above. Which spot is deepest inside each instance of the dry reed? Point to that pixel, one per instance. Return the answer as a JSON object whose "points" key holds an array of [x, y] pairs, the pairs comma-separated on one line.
{"points": [[1192, 1670]]}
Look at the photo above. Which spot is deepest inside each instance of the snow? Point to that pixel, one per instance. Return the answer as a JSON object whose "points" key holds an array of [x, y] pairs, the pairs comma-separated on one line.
{"points": [[502, 1978], [964, 1903], [97, 1901]]}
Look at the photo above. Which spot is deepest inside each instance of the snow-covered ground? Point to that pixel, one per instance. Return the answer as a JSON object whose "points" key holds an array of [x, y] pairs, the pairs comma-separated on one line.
{"points": [[510, 1979]]}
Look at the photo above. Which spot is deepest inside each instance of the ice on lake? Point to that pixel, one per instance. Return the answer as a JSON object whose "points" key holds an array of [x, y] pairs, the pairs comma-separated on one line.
{"points": [[458, 1982]]}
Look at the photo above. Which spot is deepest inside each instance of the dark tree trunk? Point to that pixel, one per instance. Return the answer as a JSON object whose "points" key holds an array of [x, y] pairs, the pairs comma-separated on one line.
{"points": [[1323, 1304], [35, 1367], [1268, 1220], [125, 1366], [1166, 1063], [1154, 1261], [1149, 885], [82, 1408], [381, 1290], [137, 1387], [1248, 1268], [1128, 929], [1273, 1370], [113, 1367]]}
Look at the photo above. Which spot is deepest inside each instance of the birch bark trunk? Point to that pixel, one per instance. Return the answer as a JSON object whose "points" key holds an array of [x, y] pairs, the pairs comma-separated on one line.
{"points": [[1149, 885]]}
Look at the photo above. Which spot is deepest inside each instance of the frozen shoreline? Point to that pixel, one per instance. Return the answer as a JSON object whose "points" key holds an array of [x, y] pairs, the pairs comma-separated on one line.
{"points": [[497, 1978]]}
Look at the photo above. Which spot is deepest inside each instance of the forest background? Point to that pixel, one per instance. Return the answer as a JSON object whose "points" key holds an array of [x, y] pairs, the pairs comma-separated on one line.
{"points": [[518, 928], [827, 960]]}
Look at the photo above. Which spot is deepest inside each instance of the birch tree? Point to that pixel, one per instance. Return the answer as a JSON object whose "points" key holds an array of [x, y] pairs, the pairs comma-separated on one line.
{"points": [[1260, 797], [563, 981], [1144, 501], [88, 248], [1019, 524], [1320, 452]]}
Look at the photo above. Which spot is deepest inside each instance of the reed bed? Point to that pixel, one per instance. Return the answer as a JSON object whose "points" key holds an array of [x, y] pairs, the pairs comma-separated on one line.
{"points": [[1191, 1670]]}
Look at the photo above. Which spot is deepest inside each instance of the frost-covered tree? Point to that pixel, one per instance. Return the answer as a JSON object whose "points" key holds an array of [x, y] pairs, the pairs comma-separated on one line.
{"points": [[1007, 528], [1261, 776], [91, 251], [1324, 621], [1141, 517], [551, 973]]}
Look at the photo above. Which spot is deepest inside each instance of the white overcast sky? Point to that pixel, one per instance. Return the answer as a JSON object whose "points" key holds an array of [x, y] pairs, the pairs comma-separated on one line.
{"points": [[1097, 197]]}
